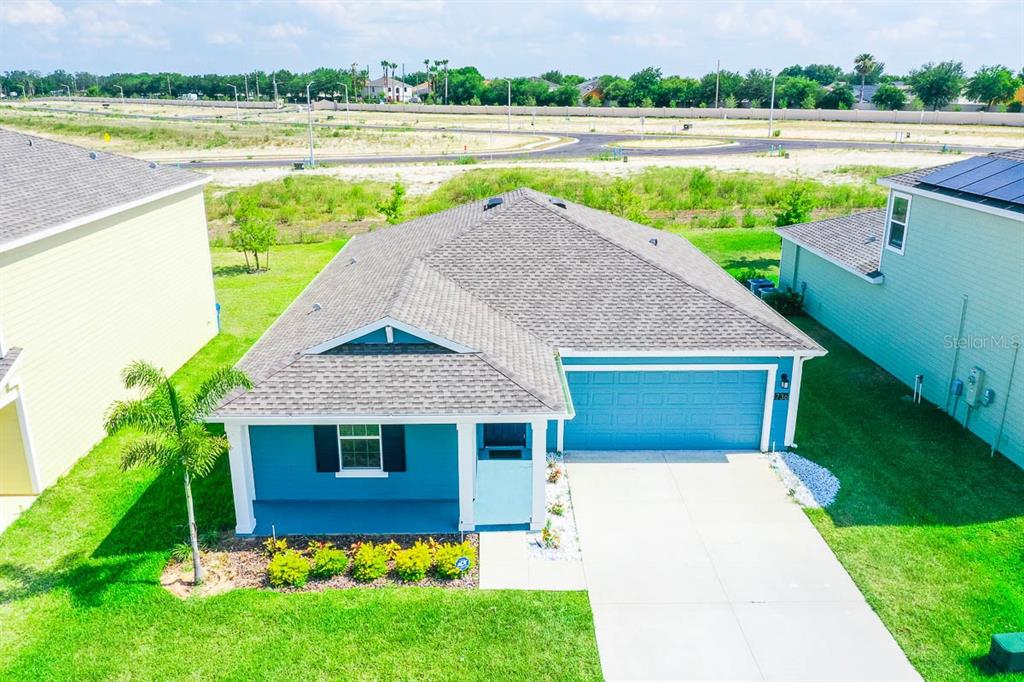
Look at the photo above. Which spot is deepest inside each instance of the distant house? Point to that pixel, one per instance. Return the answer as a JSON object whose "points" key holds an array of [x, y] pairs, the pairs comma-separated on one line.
{"points": [[420, 92], [104, 259], [420, 380], [392, 89], [590, 88], [551, 86], [931, 288]]}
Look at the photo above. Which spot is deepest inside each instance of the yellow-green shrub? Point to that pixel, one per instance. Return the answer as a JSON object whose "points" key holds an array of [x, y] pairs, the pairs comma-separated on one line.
{"points": [[411, 565], [288, 569], [370, 561], [446, 554]]}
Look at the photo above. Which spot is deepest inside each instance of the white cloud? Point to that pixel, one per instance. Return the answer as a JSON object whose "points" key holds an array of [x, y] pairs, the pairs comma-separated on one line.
{"points": [[283, 31], [223, 38], [106, 29], [31, 12]]}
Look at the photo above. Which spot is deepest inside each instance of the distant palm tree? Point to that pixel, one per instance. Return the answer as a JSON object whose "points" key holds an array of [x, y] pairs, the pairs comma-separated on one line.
{"points": [[864, 64], [176, 437]]}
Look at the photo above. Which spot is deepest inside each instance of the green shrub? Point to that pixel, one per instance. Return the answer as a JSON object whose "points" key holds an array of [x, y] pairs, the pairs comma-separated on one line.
{"points": [[327, 561], [795, 206], [370, 561], [786, 302], [274, 546], [447, 554], [557, 508], [749, 219], [550, 537], [465, 160], [411, 565], [288, 569]]}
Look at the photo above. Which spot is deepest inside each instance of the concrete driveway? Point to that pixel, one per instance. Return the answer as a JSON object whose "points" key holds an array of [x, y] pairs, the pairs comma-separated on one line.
{"points": [[700, 567]]}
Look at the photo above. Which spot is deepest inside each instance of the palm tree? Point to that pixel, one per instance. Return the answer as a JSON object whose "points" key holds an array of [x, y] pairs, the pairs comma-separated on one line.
{"points": [[175, 435], [864, 64]]}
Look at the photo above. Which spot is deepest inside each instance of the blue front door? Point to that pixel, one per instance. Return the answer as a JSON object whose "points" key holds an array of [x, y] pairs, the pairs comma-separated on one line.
{"points": [[654, 410]]}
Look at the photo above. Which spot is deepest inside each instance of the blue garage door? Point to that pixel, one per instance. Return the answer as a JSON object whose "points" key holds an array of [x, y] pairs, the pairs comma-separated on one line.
{"points": [[666, 410]]}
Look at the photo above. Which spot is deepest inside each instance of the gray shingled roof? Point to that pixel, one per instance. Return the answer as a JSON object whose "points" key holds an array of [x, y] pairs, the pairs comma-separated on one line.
{"points": [[45, 184], [854, 240], [514, 284], [7, 362]]}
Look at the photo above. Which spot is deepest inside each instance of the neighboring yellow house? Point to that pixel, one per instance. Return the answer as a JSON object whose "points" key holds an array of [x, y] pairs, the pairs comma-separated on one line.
{"points": [[104, 259]]}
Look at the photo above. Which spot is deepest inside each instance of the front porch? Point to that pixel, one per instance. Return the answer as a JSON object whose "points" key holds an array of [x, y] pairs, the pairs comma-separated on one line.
{"points": [[410, 478]]}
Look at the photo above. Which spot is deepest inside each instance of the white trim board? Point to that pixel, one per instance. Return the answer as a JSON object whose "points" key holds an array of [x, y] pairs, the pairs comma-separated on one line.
{"points": [[887, 230], [769, 397], [38, 235], [387, 323], [255, 420], [570, 353], [956, 201]]}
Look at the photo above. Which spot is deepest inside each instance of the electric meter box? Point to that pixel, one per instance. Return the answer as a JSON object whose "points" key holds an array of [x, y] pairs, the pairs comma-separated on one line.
{"points": [[974, 381]]}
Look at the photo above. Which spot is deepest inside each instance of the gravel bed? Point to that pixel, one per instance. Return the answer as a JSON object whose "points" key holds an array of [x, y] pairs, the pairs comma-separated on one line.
{"points": [[811, 484], [564, 525]]}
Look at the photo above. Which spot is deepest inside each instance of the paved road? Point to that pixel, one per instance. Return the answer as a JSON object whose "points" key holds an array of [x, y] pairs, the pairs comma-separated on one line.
{"points": [[699, 567], [584, 145]]}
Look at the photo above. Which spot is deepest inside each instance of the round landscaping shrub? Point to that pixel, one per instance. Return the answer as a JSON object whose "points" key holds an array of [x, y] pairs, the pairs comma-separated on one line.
{"points": [[411, 565], [447, 555], [288, 569], [327, 561], [370, 561]]}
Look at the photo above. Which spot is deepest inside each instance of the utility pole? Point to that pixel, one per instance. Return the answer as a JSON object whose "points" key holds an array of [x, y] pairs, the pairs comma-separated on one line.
{"points": [[446, 85], [509, 81], [169, 93], [309, 122], [246, 77], [718, 75], [233, 87], [771, 107], [275, 87], [257, 74]]}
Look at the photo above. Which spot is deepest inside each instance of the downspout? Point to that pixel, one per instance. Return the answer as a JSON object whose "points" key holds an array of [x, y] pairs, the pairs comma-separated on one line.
{"points": [[956, 350], [1006, 401]]}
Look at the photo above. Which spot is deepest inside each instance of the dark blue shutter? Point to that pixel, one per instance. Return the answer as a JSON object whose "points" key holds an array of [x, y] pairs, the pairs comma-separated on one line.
{"points": [[392, 445], [325, 442]]}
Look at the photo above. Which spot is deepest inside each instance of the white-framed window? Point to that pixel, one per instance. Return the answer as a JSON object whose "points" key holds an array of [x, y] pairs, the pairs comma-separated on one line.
{"points": [[359, 447], [896, 229]]}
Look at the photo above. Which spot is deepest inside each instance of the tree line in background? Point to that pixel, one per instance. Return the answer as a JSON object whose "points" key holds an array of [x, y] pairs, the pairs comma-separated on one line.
{"points": [[815, 86]]}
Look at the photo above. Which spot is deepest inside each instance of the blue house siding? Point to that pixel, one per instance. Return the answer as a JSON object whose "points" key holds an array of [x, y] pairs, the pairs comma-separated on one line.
{"points": [[701, 410], [295, 498], [908, 324]]}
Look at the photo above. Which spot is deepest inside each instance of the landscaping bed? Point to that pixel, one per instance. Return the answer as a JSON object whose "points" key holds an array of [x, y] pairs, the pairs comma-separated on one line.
{"points": [[558, 540], [245, 562]]}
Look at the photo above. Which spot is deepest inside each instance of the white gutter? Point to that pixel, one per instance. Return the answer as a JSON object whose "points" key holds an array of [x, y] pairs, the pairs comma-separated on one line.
{"points": [[263, 420], [38, 235], [821, 254]]}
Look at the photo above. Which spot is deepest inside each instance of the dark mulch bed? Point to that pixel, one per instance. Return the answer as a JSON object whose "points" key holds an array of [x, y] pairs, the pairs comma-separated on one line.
{"points": [[245, 561]]}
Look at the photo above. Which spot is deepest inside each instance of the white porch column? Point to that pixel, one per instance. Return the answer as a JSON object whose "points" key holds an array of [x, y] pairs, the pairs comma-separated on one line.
{"points": [[242, 484], [467, 474], [538, 451], [560, 436], [794, 399]]}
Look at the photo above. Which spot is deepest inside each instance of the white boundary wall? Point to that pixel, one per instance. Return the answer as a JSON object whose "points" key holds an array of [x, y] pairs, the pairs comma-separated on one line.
{"points": [[854, 115]]}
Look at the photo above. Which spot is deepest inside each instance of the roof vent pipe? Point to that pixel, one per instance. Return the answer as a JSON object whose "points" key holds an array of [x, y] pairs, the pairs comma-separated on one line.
{"points": [[92, 155], [492, 202], [560, 203], [653, 241]]}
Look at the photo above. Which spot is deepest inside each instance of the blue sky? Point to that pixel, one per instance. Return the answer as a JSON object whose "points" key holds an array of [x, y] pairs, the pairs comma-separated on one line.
{"points": [[589, 37]]}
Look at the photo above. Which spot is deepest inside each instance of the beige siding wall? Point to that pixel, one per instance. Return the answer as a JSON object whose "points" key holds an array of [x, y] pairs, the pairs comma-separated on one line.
{"points": [[14, 474], [86, 302]]}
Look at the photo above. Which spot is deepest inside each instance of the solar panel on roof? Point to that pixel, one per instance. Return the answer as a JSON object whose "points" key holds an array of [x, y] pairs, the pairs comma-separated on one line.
{"points": [[991, 177], [994, 182], [996, 167], [943, 174], [1014, 192]]}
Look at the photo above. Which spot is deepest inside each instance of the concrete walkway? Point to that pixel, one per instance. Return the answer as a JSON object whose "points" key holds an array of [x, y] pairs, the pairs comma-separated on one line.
{"points": [[700, 567], [505, 564]]}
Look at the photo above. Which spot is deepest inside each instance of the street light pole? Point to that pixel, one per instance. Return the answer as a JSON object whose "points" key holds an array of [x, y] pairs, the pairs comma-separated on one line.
{"points": [[235, 88], [509, 104], [246, 77], [718, 74], [68, 89], [257, 76], [771, 107], [122, 92], [275, 88], [309, 122]]}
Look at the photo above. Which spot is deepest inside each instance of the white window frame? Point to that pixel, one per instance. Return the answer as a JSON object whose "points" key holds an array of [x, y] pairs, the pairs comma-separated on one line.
{"points": [[360, 472], [888, 223]]}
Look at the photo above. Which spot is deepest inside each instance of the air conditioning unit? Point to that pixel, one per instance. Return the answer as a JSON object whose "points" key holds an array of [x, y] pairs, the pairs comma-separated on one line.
{"points": [[767, 291], [758, 283]]}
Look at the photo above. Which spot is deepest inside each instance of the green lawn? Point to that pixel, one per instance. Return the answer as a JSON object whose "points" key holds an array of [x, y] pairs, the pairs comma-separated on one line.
{"points": [[80, 599], [928, 524]]}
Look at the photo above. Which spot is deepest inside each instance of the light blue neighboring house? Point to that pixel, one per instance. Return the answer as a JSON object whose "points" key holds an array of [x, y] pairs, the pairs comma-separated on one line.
{"points": [[931, 288], [418, 383]]}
